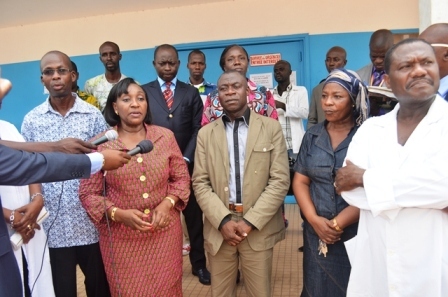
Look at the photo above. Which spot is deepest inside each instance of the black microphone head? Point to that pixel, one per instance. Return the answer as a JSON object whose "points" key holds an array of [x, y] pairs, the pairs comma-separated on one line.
{"points": [[145, 146]]}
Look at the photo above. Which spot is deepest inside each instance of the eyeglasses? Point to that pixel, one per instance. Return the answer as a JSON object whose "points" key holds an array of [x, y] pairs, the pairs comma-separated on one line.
{"points": [[50, 72], [439, 44]]}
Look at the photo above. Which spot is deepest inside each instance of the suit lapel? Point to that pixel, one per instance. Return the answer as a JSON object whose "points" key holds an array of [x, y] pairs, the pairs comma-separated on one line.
{"points": [[252, 136], [179, 93], [220, 140], [155, 92]]}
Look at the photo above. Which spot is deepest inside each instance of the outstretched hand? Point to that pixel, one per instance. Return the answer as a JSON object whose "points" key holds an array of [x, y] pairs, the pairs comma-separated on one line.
{"points": [[74, 146], [114, 159]]}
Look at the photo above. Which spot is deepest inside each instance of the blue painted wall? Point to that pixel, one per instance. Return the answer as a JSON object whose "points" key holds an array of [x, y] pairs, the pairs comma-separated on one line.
{"points": [[27, 89]]}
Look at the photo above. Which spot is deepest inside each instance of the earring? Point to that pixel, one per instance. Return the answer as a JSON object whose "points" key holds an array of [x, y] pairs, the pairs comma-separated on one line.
{"points": [[116, 112]]}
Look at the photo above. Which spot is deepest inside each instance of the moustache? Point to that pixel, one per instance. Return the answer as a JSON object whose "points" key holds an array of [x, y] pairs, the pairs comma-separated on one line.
{"points": [[415, 81]]}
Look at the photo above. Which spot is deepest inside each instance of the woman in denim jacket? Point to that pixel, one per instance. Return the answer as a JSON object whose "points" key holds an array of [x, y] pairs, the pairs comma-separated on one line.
{"points": [[329, 220]]}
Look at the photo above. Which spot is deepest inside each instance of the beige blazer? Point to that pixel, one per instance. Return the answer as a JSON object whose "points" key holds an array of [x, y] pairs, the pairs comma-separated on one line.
{"points": [[265, 184]]}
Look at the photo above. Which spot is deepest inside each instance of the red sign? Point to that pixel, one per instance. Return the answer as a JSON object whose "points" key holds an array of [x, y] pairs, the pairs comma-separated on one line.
{"points": [[263, 60]]}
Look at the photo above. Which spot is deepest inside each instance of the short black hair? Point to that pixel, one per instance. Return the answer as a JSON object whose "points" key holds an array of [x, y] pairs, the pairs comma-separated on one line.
{"points": [[109, 43], [74, 67], [390, 52], [197, 52], [165, 46], [119, 89], [222, 60], [283, 62]]}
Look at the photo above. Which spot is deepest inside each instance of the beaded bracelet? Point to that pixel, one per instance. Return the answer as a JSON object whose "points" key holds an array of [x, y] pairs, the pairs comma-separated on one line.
{"points": [[11, 218], [37, 194]]}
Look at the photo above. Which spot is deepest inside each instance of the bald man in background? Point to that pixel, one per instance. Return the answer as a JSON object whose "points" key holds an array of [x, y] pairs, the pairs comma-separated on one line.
{"points": [[380, 42], [336, 58], [373, 74], [437, 36]]}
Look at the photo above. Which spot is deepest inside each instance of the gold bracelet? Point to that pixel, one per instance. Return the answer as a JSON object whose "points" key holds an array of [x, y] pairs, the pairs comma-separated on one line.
{"points": [[171, 200], [335, 225], [112, 214]]}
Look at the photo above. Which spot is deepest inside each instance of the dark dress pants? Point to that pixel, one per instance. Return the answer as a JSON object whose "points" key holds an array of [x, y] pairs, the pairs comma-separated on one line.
{"points": [[63, 266], [195, 226]]}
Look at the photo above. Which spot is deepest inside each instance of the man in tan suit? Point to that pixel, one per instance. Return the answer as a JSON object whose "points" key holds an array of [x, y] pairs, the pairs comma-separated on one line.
{"points": [[240, 179]]}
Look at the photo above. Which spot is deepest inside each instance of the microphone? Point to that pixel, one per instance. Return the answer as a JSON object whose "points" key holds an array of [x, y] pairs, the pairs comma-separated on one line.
{"points": [[110, 135], [145, 146]]}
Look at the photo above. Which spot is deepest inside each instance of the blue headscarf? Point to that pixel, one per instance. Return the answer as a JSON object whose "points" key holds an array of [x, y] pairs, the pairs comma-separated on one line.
{"points": [[357, 90]]}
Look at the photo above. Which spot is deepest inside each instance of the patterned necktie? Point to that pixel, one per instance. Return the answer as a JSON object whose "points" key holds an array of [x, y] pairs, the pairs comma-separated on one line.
{"points": [[168, 94], [377, 77]]}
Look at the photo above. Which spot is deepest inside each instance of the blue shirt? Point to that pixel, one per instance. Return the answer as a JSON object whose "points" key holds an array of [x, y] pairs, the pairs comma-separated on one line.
{"points": [[204, 89], [72, 226], [163, 84]]}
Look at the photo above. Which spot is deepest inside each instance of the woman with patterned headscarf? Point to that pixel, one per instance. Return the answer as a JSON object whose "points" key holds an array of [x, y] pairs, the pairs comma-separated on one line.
{"points": [[328, 220]]}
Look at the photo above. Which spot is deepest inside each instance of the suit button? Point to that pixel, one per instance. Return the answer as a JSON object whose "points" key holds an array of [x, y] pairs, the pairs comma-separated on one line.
{"points": [[142, 178], [226, 189], [170, 115], [146, 211], [145, 195]]}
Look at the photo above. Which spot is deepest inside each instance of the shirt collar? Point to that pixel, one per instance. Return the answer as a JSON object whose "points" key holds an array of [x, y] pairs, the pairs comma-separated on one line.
{"points": [[162, 82], [245, 117], [288, 89], [77, 106], [374, 70]]}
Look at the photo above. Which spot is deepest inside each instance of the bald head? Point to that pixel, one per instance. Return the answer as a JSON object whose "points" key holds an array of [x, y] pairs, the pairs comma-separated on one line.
{"points": [[63, 57], [380, 42], [336, 58], [382, 38], [437, 36], [436, 33]]}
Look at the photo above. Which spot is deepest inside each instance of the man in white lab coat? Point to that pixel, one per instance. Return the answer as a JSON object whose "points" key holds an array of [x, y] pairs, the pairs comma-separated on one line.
{"points": [[397, 174]]}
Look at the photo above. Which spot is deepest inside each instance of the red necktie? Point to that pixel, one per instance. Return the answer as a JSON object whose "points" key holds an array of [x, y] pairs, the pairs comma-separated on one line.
{"points": [[168, 94]]}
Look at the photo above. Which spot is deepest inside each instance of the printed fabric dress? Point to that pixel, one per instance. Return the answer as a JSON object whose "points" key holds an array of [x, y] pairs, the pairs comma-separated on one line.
{"points": [[141, 263], [324, 276], [260, 100]]}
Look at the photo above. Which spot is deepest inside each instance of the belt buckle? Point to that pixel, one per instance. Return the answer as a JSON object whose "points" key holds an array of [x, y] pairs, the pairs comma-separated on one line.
{"points": [[236, 207]]}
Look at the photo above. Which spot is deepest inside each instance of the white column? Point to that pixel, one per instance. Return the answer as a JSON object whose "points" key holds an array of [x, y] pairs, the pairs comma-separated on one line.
{"points": [[431, 12]]}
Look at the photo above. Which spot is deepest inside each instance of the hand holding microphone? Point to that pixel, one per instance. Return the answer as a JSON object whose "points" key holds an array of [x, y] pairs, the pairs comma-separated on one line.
{"points": [[114, 159]]}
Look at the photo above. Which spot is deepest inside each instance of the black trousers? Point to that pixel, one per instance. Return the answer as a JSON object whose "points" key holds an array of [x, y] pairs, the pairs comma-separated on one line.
{"points": [[195, 226], [63, 266]]}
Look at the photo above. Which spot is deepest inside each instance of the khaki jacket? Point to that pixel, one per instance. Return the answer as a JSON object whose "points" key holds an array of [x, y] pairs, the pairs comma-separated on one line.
{"points": [[266, 181]]}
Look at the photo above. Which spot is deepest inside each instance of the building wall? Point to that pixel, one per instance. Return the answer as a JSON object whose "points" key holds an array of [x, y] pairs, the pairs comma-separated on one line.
{"points": [[208, 22]]}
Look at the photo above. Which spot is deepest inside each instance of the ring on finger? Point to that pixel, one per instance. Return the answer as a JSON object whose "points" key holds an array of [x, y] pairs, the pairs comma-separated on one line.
{"points": [[29, 227]]}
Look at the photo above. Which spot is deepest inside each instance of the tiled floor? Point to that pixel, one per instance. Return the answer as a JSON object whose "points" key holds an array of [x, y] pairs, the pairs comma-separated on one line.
{"points": [[286, 273]]}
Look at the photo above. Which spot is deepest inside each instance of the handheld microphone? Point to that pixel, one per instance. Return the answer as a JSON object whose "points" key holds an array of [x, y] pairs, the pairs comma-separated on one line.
{"points": [[110, 135], [145, 146]]}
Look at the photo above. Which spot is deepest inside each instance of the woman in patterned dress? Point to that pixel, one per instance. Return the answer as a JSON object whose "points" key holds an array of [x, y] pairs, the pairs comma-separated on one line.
{"points": [[260, 99], [138, 216]]}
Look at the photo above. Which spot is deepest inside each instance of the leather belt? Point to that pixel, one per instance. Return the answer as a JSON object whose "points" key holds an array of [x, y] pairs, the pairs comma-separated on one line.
{"points": [[236, 207]]}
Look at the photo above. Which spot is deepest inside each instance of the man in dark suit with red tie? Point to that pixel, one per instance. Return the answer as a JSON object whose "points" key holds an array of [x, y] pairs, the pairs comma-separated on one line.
{"points": [[177, 106]]}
